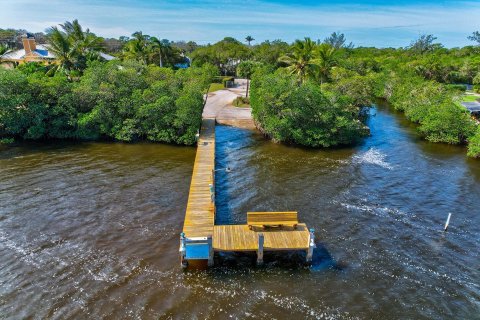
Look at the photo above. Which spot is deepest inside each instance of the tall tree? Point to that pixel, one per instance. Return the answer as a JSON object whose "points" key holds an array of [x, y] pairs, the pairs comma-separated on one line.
{"points": [[249, 39], [269, 52], [64, 50], [301, 61], [85, 41], [337, 41], [475, 37], [138, 47], [425, 43], [245, 69], [161, 47], [72, 46], [326, 56], [225, 54]]}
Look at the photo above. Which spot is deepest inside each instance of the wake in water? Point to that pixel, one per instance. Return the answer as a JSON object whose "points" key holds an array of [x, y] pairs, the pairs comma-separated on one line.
{"points": [[373, 156]]}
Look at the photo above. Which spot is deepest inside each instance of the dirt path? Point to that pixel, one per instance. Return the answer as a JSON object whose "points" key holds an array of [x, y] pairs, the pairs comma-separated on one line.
{"points": [[219, 106]]}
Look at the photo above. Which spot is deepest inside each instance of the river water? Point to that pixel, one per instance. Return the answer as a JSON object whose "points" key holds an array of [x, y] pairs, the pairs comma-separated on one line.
{"points": [[90, 230]]}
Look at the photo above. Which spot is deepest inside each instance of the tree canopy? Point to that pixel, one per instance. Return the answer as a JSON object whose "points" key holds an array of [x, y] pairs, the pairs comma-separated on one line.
{"points": [[309, 93], [73, 47], [475, 37], [225, 54]]}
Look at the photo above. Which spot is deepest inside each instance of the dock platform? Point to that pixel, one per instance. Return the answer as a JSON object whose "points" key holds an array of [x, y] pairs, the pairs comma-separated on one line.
{"points": [[240, 238], [201, 238]]}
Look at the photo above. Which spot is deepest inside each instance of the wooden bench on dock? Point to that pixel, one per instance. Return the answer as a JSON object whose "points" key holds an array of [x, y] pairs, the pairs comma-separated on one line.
{"points": [[272, 219]]}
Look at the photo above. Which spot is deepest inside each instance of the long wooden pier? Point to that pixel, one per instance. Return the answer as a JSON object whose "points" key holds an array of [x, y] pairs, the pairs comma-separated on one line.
{"points": [[201, 238]]}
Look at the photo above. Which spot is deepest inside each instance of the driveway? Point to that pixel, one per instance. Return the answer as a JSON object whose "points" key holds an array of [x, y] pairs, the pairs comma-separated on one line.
{"points": [[219, 106]]}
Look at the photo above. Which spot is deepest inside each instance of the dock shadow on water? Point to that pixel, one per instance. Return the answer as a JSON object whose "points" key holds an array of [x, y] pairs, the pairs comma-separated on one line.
{"points": [[287, 260]]}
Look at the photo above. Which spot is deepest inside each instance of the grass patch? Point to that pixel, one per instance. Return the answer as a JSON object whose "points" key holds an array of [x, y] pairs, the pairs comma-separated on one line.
{"points": [[215, 87], [241, 102], [7, 141], [469, 98]]}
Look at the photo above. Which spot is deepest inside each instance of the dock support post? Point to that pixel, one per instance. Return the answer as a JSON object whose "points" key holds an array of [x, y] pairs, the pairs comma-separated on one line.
{"points": [[261, 240], [210, 251], [311, 246], [212, 192], [182, 250]]}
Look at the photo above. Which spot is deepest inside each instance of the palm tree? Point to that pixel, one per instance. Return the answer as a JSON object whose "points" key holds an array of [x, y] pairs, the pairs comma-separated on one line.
{"points": [[326, 60], [64, 50], [73, 29], [162, 47], [301, 61], [249, 39], [85, 40], [72, 46], [138, 47]]}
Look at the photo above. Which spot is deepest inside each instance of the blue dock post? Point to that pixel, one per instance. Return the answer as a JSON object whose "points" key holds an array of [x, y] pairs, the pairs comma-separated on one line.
{"points": [[311, 245], [261, 241], [182, 250]]}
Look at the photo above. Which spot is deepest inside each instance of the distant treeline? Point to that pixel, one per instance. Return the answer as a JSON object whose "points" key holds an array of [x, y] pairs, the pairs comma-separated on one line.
{"points": [[312, 93]]}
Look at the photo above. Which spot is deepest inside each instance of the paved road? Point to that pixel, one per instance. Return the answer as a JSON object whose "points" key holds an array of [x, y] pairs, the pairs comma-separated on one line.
{"points": [[219, 106], [472, 106]]}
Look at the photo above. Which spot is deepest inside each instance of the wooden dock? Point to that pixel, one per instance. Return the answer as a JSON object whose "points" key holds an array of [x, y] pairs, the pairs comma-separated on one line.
{"points": [[201, 237], [200, 214]]}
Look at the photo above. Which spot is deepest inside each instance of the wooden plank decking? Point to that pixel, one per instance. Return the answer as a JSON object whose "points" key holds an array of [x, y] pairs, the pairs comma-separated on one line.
{"points": [[200, 213], [241, 238]]}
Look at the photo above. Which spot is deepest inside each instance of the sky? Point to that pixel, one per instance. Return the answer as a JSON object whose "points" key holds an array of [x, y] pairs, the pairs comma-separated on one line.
{"points": [[364, 22]]}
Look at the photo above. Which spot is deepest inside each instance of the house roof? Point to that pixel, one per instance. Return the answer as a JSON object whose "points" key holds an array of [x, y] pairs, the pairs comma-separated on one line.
{"points": [[106, 56], [41, 52]]}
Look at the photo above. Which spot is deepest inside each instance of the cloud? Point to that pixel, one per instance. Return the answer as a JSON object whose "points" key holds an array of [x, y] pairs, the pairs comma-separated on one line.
{"points": [[209, 21]]}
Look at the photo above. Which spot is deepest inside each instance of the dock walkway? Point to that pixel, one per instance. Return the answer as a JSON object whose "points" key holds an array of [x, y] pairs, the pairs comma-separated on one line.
{"points": [[200, 213]]}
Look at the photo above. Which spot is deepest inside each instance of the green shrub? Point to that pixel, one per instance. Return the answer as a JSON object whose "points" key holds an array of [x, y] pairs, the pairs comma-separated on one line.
{"points": [[241, 102], [457, 87], [476, 83], [303, 114], [7, 141], [18, 108], [32, 67], [432, 106], [448, 123], [474, 144], [125, 101], [358, 90]]}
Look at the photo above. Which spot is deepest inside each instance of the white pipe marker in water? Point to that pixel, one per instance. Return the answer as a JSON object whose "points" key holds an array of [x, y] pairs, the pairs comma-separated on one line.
{"points": [[448, 221]]}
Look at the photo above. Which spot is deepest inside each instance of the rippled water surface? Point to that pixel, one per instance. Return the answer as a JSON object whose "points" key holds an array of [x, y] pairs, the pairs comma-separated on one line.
{"points": [[90, 230]]}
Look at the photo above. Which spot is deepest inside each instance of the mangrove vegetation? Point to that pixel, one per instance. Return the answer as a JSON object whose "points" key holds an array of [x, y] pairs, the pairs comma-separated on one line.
{"points": [[314, 93]]}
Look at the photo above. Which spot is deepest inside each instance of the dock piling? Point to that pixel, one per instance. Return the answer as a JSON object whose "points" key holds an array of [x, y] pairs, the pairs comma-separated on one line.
{"points": [[182, 250], [212, 192], [311, 246], [210, 251], [261, 240]]}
